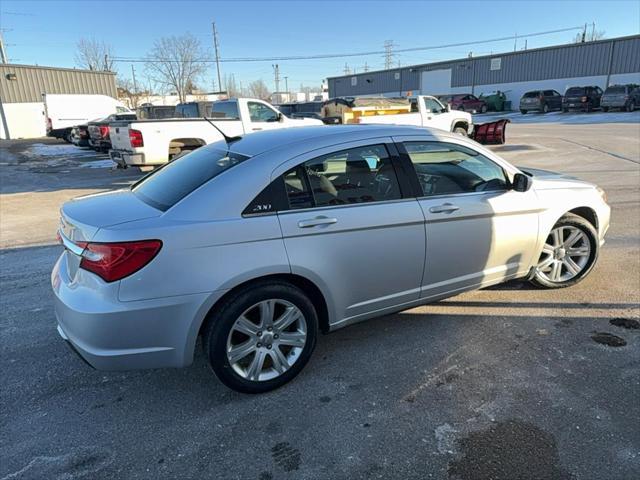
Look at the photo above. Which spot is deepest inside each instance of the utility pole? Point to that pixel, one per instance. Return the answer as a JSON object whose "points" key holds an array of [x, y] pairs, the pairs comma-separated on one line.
{"points": [[515, 41], [366, 67], [346, 70], [584, 33], [286, 88], [215, 46], [388, 54], [133, 74], [276, 77], [593, 31], [3, 53], [106, 62]]}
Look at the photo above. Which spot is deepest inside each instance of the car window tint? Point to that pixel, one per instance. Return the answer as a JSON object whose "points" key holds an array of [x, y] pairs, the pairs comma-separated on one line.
{"points": [[225, 110], [357, 175], [531, 94], [168, 185], [445, 168], [259, 112], [297, 188]]}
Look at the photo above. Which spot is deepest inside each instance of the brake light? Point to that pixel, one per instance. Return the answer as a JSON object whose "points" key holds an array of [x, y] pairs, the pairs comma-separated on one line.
{"points": [[583, 99], [115, 261], [135, 137], [104, 132]]}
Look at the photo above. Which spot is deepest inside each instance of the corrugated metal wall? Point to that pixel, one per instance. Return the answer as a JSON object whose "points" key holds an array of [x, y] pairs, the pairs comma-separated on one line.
{"points": [[31, 82], [566, 61]]}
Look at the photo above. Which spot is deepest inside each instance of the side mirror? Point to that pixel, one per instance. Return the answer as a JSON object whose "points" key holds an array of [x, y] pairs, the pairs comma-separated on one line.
{"points": [[280, 117], [448, 107], [521, 182]]}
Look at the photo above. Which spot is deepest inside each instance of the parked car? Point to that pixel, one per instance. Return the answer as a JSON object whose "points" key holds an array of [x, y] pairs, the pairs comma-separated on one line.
{"points": [[99, 138], [495, 100], [624, 97], [63, 112], [540, 101], [581, 98], [465, 102], [80, 135], [149, 143], [258, 244], [427, 111]]}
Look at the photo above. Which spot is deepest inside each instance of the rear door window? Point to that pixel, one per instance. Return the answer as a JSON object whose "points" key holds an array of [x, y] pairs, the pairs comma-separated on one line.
{"points": [[225, 110], [168, 185]]}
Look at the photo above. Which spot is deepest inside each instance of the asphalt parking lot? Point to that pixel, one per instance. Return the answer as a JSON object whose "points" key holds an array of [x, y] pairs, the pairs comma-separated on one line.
{"points": [[507, 383]]}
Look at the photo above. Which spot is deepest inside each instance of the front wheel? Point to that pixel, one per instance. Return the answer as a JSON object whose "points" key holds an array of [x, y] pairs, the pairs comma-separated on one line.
{"points": [[483, 109], [631, 107], [460, 131], [545, 108], [605, 109], [261, 337], [569, 253], [523, 112]]}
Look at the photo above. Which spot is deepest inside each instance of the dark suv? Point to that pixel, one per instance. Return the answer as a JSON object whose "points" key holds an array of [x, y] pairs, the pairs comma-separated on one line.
{"points": [[581, 98], [541, 101], [624, 97]]}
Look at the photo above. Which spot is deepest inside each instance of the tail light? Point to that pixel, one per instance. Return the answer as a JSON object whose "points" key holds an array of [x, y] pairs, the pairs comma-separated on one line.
{"points": [[115, 261], [49, 125], [135, 137], [104, 132], [583, 99]]}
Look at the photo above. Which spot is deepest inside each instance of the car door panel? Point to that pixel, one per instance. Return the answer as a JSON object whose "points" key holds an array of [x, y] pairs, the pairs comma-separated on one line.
{"points": [[472, 238], [372, 254]]}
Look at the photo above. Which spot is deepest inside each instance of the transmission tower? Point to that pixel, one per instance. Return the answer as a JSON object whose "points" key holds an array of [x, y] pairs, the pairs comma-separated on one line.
{"points": [[388, 54]]}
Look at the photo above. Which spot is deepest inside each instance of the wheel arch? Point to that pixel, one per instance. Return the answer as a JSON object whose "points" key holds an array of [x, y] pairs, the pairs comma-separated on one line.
{"points": [[307, 286], [588, 214], [460, 122]]}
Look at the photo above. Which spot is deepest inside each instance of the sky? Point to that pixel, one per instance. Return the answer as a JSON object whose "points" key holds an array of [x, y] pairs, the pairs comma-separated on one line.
{"points": [[46, 32]]}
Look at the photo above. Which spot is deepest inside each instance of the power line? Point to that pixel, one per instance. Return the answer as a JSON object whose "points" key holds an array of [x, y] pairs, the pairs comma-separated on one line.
{"points": [[354, 54]]}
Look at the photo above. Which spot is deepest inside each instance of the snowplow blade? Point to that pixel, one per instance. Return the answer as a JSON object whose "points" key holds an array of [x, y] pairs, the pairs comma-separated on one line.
{"points": [[490, 133]]}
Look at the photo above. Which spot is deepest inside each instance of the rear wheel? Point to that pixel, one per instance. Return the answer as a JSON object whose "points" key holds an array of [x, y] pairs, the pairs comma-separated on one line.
{"points": [[605, 109], [631, 107], [483, 109], [545, 108], [261, 337], [569, 253], [523, 112], [565, 109]]}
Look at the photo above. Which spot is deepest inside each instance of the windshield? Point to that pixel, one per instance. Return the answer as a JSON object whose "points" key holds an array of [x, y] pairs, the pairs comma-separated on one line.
{"points": [[575, 91], [168, 185], [618, 89]]}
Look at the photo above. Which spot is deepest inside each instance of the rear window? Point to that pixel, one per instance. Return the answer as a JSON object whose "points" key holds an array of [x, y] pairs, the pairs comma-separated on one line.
{"points": [[575, 91], [225, 110], [531, 94], [618, 89], [168, 185]]}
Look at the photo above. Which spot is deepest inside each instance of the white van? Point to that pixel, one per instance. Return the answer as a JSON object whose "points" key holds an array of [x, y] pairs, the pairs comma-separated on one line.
{"points": [[63, 112]]}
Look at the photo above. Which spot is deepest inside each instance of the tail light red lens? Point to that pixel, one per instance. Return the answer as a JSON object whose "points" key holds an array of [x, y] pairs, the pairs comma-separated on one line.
{"points": [[135, 136], [115, 261], [104, 132]]}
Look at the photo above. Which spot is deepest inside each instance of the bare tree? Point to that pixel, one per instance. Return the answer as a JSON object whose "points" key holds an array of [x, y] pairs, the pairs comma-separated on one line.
{"points": [[176, 63], [127, 92], [231, 87], [589, 36], [94, 54], [259, 89]]}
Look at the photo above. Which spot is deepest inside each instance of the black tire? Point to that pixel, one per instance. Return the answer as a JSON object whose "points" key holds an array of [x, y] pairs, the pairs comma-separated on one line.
{"points": [[523, 112], [588, 229], [545, 108], [565, 109], [605, 109], [631, 107], [589, 107], [483, 109], [461, 131], [222, 319]]}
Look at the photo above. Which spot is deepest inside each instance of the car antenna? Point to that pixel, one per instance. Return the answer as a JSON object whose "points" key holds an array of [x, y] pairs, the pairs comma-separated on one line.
{"points": [[227, 138]]}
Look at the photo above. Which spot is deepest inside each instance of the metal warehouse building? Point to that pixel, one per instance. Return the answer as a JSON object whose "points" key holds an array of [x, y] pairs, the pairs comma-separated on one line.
{"points": [[602, 63], [22, 87]]}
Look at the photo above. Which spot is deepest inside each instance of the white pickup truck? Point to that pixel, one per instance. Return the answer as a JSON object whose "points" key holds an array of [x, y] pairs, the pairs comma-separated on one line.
{"points": [[148, 143], [427, 111]]}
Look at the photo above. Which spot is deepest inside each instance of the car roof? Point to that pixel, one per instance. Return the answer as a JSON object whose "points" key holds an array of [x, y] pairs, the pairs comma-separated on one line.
{"points": [[321, 136]]}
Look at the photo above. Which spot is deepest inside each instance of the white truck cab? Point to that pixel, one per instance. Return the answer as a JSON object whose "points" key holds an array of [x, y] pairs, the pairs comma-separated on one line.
{"points": [[148, 143]]}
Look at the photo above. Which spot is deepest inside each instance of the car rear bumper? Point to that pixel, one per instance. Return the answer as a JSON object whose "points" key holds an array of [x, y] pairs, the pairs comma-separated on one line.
{"points": [[613, 103], [113, 335], [127, 159]]}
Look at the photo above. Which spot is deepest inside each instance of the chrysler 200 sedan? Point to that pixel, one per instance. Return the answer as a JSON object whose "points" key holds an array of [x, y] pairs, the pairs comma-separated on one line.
{"points": [[257, 244]]}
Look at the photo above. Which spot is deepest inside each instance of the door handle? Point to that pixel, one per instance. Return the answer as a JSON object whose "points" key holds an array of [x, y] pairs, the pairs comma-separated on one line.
{"points": [[445, 208], [256, 129], [314, 222]]}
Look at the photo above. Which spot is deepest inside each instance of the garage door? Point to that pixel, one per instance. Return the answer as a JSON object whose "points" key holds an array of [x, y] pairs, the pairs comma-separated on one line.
{"points": [[436, 82]]}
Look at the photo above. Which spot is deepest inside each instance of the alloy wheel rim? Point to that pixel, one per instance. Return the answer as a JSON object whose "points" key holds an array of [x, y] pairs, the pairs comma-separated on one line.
{"points": [[266, 340], [565, 254]]}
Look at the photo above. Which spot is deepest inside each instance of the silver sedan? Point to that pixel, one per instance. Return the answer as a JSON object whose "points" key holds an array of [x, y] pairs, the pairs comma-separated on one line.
{"points": [[258, 244]]}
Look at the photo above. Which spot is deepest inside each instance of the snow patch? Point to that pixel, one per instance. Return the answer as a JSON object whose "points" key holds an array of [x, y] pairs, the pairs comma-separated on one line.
{"points": [[42, 150], [446, 439]]}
